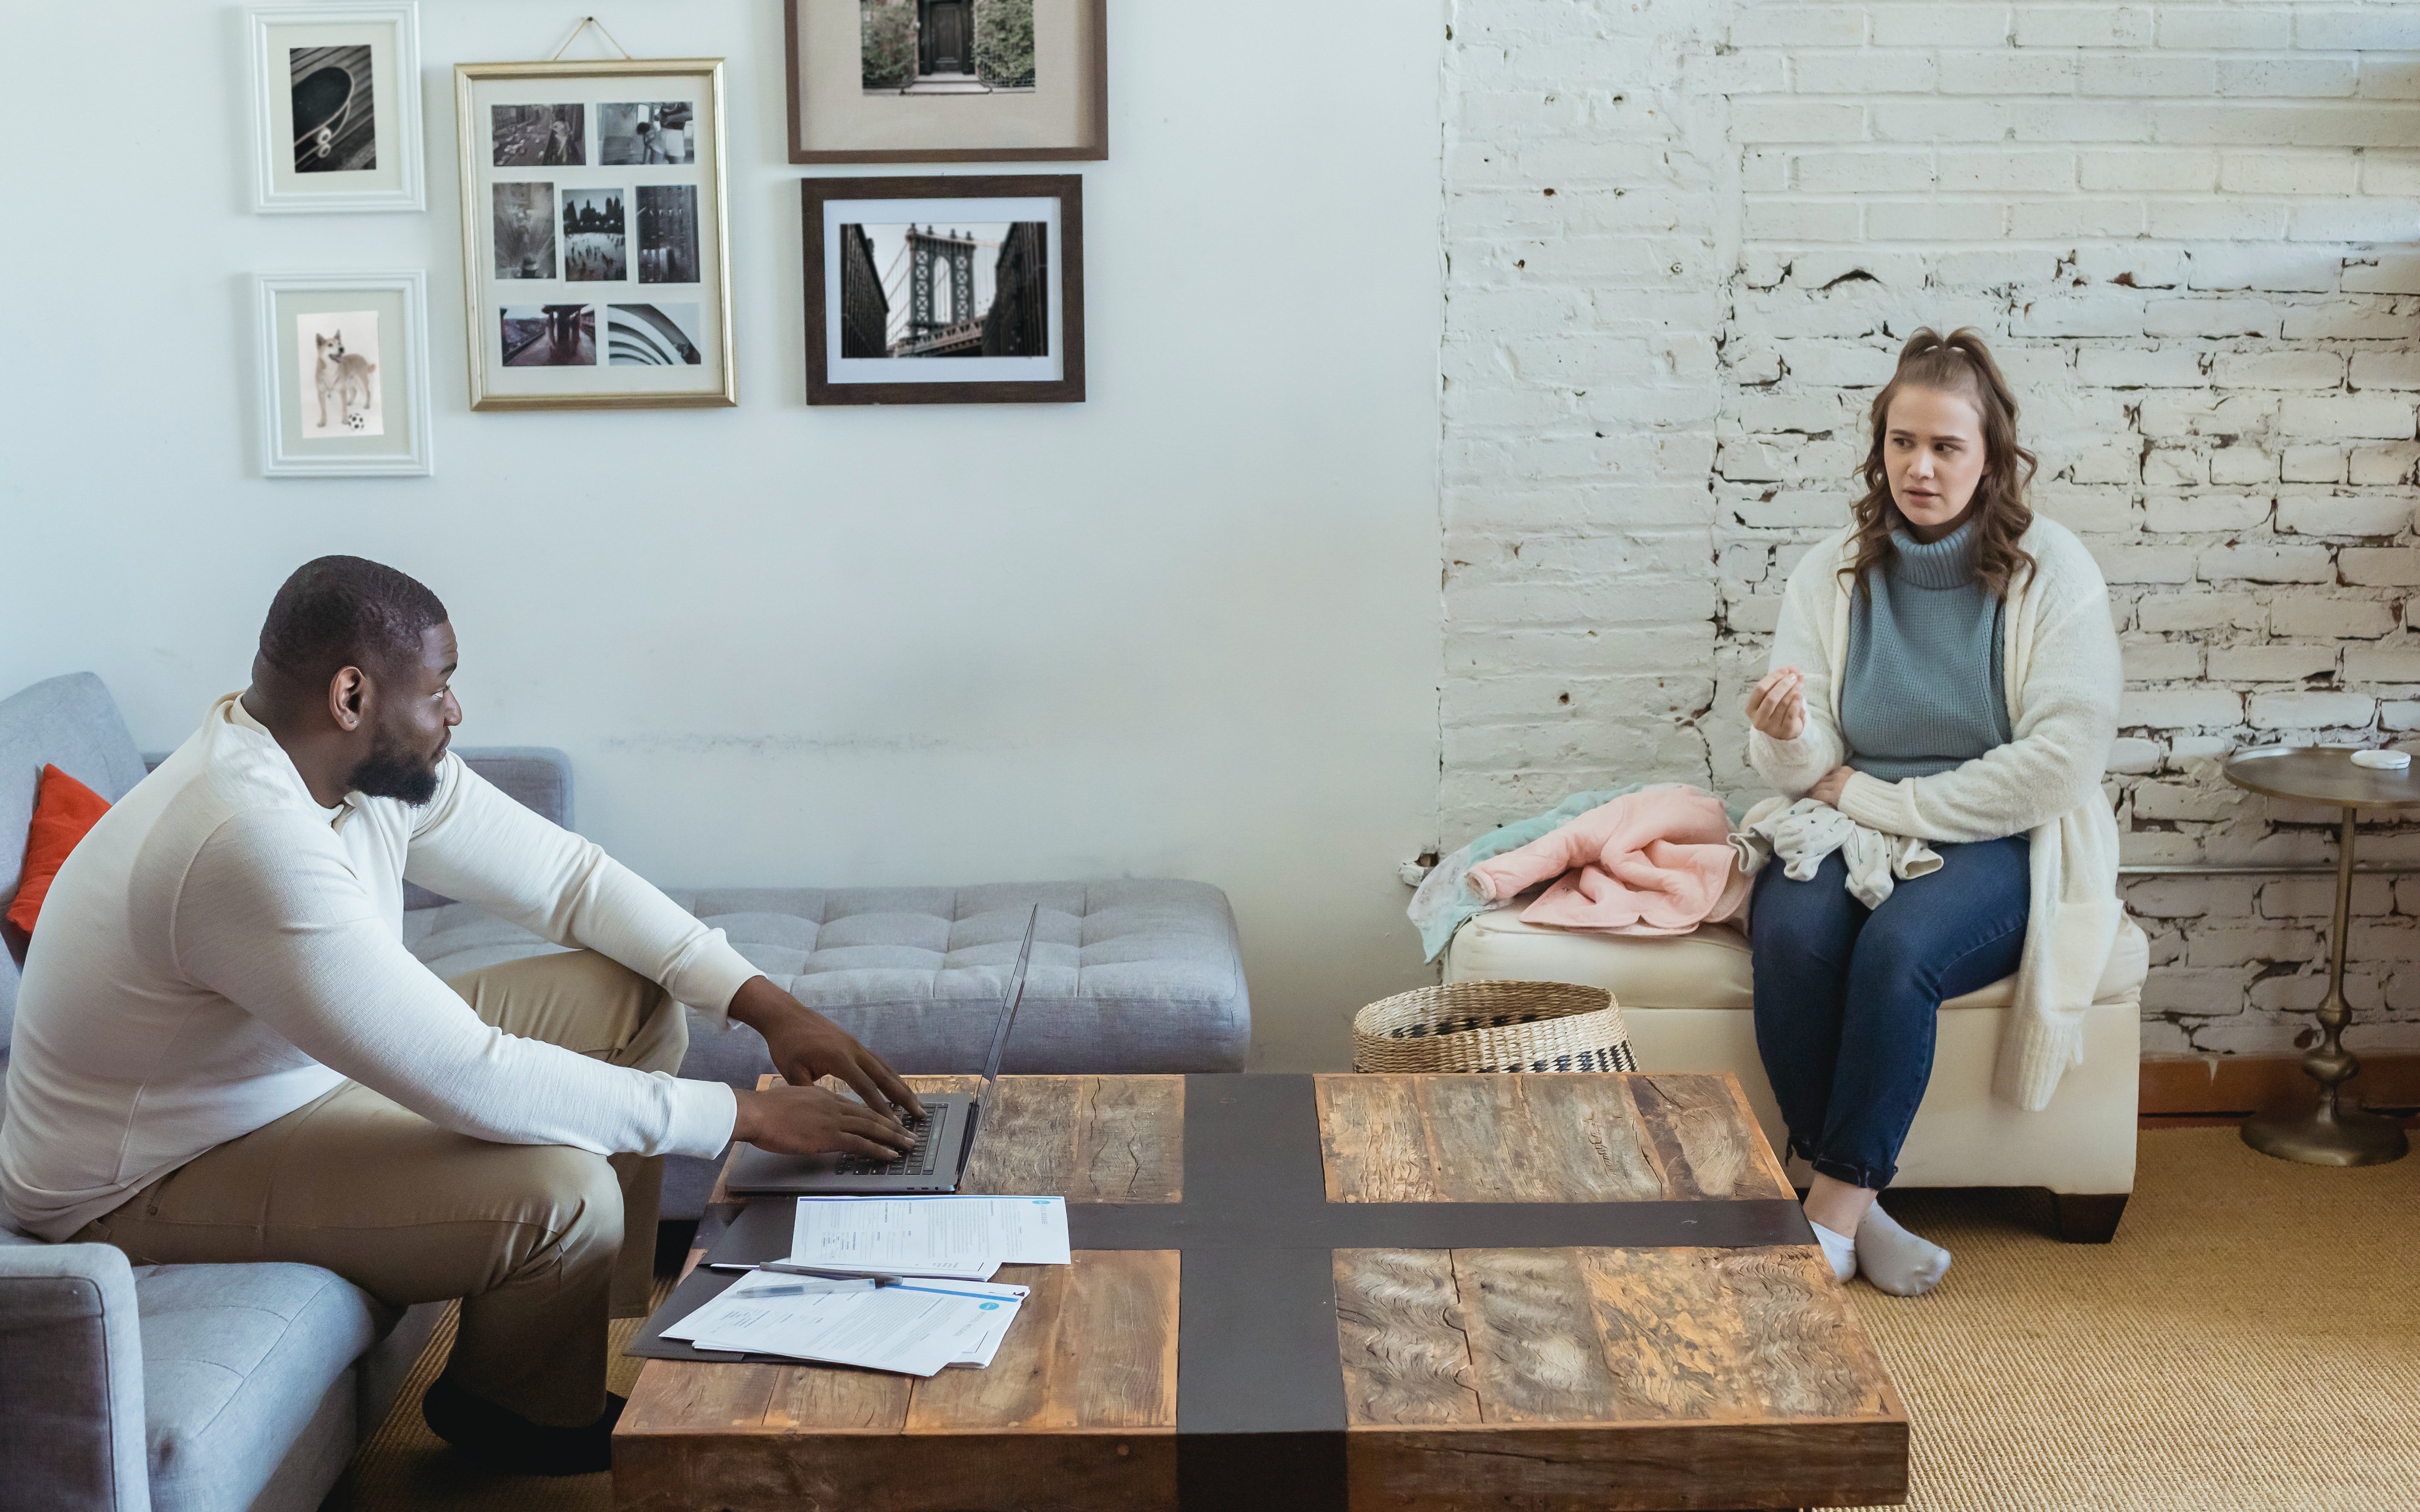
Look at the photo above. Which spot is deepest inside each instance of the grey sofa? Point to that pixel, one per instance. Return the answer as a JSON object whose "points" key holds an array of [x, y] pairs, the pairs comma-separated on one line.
{"points": [[174, 1388], [248, 1386]]}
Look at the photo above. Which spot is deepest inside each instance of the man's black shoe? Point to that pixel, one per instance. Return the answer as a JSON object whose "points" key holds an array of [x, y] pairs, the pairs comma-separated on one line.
{"points": [[501, 1440]]}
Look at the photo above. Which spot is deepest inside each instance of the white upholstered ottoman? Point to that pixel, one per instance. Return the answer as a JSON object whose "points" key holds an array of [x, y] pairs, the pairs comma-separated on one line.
{"points": [[1687, 1003]]}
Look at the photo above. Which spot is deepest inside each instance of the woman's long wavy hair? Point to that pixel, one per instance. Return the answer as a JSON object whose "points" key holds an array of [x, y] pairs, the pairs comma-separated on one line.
{"points": [[1956, 364]]}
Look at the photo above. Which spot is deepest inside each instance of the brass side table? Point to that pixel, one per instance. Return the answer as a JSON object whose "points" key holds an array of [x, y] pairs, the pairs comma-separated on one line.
{"points": [[2331, 1132]]}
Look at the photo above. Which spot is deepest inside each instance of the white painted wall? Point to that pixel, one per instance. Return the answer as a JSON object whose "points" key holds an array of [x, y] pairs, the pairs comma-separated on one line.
{"points": [[1189, 628], [1686, 240]]}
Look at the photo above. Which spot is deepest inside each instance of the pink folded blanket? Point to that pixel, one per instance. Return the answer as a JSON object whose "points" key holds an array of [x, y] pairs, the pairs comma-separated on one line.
{"points": [[1654, 862]]}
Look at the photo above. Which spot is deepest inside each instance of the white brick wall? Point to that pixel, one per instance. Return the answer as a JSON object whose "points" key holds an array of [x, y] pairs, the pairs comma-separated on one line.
{"points": [[1684, 243]]}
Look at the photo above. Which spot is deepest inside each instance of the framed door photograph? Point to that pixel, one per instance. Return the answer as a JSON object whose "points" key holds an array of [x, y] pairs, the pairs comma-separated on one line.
{"points": [[595, 270], [947, 81], [336, 93], [945, 290], [344, 374]]}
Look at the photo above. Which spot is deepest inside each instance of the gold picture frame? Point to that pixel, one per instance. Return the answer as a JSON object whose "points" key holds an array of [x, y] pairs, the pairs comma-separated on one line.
{"points": [[633, 309]]}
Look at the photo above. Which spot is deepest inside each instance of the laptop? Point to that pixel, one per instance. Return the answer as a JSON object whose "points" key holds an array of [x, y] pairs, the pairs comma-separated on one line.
{"points": [[945, 1136]]}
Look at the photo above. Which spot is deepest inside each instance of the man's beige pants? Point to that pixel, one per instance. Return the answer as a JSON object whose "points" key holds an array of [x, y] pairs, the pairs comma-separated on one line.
{"points": [[540, 1241]]}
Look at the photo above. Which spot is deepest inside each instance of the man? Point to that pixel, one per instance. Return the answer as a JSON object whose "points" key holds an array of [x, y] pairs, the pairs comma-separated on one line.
{"points": [[222, 1050]]}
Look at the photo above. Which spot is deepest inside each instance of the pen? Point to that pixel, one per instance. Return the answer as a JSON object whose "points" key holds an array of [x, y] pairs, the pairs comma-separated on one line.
{"points": [[789, 1269]]}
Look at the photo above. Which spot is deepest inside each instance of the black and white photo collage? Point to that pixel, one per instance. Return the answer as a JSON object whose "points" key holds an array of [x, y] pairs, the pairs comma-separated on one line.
{"points": [[601, 234]]}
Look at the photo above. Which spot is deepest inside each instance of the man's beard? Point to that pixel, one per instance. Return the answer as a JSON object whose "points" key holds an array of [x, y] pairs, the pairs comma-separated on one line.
{"points": [[391, 771]]}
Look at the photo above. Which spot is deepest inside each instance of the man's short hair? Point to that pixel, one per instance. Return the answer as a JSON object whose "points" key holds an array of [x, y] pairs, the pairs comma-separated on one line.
{"points": [[345, 611]]}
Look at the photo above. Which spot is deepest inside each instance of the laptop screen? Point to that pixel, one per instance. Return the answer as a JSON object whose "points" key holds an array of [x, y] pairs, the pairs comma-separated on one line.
{"points": [[1009, 1001]]}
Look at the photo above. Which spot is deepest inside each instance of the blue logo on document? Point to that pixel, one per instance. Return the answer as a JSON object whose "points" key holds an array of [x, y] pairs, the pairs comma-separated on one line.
{"points": [[990, 1307]]}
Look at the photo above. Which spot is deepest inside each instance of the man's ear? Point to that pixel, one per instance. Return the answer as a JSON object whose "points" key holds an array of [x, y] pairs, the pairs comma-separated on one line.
{"points": [[347, 695]]}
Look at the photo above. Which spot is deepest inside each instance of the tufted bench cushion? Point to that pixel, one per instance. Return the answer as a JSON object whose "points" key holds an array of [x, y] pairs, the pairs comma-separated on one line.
{"points": [[1131, 976]]}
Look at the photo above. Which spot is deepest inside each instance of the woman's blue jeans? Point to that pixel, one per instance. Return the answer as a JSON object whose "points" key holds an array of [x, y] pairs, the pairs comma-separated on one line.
{"points": [[1846, 996]]}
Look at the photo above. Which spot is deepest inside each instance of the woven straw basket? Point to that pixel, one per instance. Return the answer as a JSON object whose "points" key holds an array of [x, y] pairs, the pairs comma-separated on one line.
{"points": [[1493, 1026]]}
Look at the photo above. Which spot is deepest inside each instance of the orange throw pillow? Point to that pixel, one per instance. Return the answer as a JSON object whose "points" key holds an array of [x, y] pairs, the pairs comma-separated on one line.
{"points": [[64, 810]]}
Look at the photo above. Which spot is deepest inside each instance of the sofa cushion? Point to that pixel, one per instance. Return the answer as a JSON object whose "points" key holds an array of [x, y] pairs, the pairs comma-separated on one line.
{"points": [[71, 722], [236, 1360], [64, 811], [1708, 968], [1136, 975]]}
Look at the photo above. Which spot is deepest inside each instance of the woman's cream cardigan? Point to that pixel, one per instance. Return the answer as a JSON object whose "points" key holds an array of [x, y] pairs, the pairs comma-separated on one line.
{"points": [[2062, 676]]}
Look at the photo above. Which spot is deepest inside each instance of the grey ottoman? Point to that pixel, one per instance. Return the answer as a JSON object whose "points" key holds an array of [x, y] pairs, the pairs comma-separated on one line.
{"points": [[1140, 974]]}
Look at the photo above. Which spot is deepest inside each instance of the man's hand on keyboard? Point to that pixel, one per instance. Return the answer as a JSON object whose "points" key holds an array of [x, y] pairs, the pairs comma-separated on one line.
{"points": [[807, 1045], [813, 1120]]}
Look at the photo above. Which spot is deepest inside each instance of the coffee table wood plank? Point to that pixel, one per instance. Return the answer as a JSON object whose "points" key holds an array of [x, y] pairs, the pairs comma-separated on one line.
{"points": [[1601, 1335], [1399, 1328], [1535, 1352], [685, 1396], [1094, 1350], [1375, 1140], [1542, 1138], [1085, 1138], [1702, 1137], [897, 1473], [837, 1400], [1130, 1145], [1628, 1467], [1715, 1333]]}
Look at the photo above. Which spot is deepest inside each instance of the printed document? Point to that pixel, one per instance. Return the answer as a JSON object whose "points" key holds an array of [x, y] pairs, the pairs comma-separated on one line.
{"points": [[952, 1237], [915, 1331]]}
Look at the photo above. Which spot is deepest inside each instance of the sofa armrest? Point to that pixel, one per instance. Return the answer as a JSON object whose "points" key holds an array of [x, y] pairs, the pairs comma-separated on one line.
{"points": [[71, 1380]]}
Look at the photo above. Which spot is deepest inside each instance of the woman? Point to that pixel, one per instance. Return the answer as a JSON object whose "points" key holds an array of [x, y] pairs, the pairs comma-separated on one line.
{"points": [[1944, 668]]}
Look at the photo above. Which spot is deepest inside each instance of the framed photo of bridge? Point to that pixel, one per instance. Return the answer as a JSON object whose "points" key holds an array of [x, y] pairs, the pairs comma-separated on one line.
{"points": [[335, 92], [945, 290], [947, 81], [595, 265]]}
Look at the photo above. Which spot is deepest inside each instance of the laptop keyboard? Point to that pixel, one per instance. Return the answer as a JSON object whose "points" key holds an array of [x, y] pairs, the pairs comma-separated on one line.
{"points": [[917, 1161]]}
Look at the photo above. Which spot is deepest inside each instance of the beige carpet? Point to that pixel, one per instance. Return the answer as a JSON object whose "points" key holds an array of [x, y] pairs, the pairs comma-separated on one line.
{"points": [[2250, 1344], [2251, 1341]]}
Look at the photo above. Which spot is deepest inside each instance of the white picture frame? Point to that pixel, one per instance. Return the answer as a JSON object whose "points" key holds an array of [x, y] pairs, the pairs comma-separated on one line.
{"points": [[354, 69], [363, 411]]}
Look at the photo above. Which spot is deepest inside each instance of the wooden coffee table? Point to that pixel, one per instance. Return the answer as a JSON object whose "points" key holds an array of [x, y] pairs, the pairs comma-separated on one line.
{"points": [[1405, 1292]]}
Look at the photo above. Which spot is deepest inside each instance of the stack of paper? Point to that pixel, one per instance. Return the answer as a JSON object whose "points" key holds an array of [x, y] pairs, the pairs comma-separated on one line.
{"points": [[912, 1329], [960, 1238], [941, 1311]]}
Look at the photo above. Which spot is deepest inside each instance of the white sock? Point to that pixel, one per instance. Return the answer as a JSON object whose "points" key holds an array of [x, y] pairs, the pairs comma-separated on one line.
{"points": [[1895, 1260], [1838, 1248]]}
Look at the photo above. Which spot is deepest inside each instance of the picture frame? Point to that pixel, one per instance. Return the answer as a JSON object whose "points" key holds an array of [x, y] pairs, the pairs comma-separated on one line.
{"points": [[947, 81], [344, 374], [595, 244], [944, 289], [335, 92]]}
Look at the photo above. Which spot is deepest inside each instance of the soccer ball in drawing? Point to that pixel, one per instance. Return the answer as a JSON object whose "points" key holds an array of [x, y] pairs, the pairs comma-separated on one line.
{"points": [[356, 420]]}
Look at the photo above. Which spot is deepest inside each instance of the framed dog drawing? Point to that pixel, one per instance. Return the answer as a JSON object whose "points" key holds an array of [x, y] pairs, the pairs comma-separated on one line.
{"points": [[335, 92], [594, 269], [344, 375]]}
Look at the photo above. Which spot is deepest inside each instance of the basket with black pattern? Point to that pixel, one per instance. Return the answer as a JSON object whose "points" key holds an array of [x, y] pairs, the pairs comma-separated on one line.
{"points": [[1493, 1026]]}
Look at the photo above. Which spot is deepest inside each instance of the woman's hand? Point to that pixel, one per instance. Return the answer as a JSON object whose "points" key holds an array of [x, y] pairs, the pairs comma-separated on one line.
{"points": [[1829, 787], [1776, 704]]}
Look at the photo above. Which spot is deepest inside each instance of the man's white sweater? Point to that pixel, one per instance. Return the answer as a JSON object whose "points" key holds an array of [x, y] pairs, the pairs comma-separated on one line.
{"points": [[220, 950], [2061, 673]]}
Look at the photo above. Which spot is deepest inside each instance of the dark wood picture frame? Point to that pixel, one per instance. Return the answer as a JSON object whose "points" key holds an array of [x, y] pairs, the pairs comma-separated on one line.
{"points": [[1094, 150], [1066, 188]]}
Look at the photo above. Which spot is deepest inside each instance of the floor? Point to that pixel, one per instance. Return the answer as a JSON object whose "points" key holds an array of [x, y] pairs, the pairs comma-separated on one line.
{"points": [[2251, 1341]]}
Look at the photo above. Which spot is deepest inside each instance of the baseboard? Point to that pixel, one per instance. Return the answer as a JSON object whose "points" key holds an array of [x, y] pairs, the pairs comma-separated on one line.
{"points": [[2229, 1087]]}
